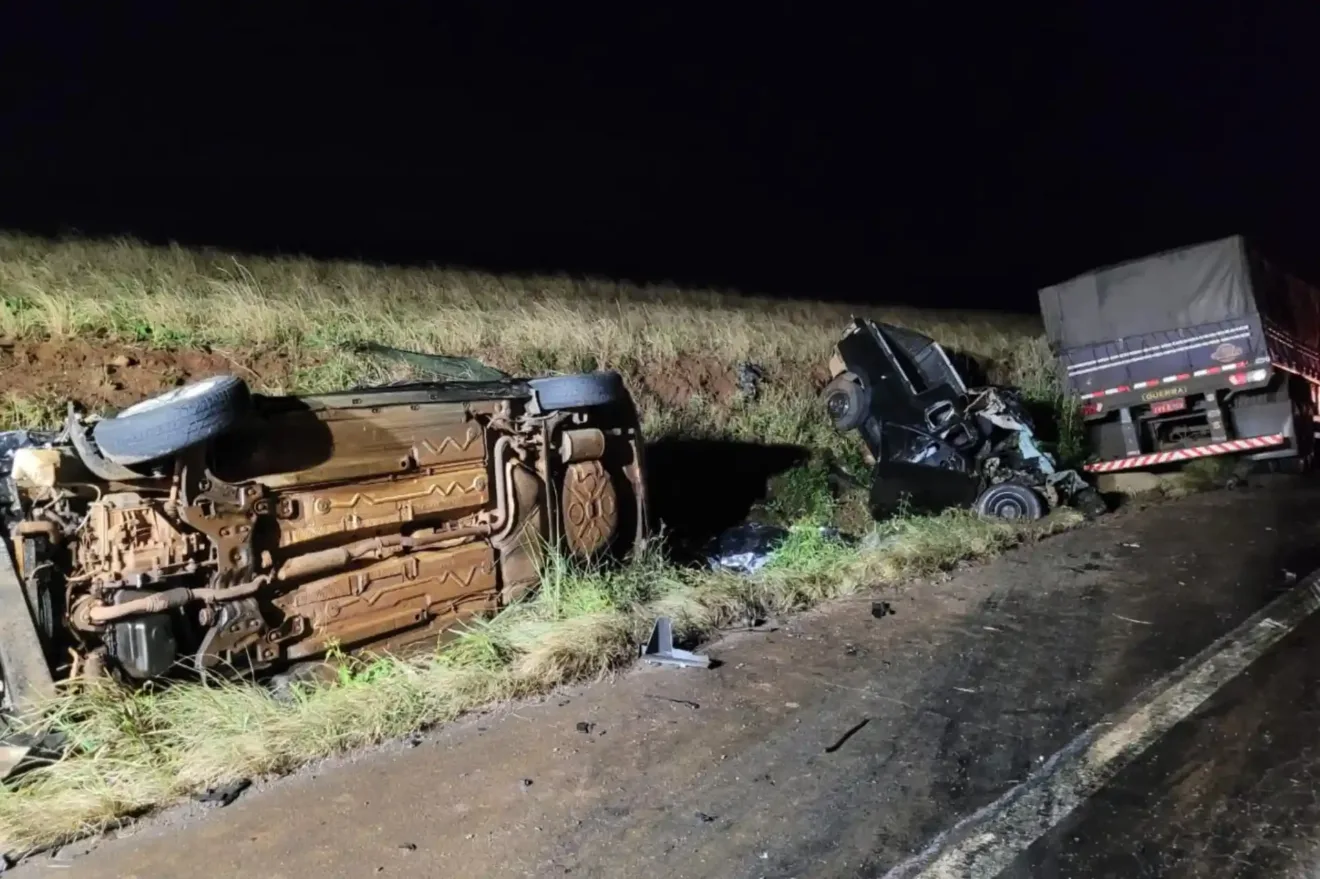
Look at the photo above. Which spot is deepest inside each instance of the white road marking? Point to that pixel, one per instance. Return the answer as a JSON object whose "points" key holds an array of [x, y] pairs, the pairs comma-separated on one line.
{"points": [[984, 843]]}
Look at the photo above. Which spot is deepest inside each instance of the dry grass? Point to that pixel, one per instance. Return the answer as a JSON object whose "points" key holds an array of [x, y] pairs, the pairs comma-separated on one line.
{"points": [[171, 296], [35, 413], [175, 297], [137, 750]]}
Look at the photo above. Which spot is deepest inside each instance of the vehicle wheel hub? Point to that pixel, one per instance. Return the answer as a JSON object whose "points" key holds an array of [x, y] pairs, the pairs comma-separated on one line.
{"points": [[591, 508]]}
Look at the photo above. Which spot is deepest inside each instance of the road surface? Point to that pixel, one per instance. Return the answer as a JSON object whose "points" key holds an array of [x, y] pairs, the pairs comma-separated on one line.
{"points": [[845, 745]]}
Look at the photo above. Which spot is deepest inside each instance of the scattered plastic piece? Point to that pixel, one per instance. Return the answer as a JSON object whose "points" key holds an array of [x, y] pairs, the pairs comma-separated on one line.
{"points": [[745, 548]]}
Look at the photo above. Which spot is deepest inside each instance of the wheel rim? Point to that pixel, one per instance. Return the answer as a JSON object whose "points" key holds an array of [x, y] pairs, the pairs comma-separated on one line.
{"points": [[837, 405], [1006, 505]]}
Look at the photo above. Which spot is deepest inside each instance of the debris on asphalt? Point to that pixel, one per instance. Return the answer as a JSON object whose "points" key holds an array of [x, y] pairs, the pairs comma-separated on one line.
{"points": [[881, 609], [1130, 545], [1130, 620], [409, 846], [584, 727], [526, 782], [688, 702], [850, 649], [224, 794], [1289, 577], [704, 818], [847, 735], [745, 548], [659, 649]]}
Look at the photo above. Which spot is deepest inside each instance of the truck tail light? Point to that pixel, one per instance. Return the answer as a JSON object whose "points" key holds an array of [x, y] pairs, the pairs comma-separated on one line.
{"points": [[1092, 407], [1248, 378]]}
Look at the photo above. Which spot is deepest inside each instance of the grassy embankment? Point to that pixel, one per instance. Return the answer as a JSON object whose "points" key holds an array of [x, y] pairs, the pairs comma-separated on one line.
{"points": [[135, 751]]}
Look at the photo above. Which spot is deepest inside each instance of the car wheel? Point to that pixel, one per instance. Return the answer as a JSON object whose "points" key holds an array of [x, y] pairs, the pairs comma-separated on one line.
{"points": [[578, 391], [163, 425], [847, 403], [1008, 500]]}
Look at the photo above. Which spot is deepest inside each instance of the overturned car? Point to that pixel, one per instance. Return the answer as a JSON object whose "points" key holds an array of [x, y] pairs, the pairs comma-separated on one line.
{"points": [[934, 443], [213, 531]]}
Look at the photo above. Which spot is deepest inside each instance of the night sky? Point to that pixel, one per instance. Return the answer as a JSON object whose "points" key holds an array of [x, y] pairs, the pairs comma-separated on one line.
{"points": [[920, 153]]}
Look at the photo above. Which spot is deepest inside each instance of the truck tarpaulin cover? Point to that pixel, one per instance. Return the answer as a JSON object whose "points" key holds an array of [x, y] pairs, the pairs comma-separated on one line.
{"points": [[1167, 315]]}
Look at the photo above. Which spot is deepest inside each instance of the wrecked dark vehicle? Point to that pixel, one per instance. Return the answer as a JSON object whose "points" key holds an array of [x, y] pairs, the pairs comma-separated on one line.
{"points": [[933, 442], [213, 531]]}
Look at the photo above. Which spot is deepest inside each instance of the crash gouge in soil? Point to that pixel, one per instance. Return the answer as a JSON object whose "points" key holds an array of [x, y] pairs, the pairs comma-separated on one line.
{"points": [[213, 531]]}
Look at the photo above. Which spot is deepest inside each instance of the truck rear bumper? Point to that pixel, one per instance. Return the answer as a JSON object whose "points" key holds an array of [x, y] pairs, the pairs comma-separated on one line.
{"points": [[1228, 447]]}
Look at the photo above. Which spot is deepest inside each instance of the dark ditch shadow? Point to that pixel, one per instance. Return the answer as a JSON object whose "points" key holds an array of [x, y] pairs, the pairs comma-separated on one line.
{"points": [[699, 488]]}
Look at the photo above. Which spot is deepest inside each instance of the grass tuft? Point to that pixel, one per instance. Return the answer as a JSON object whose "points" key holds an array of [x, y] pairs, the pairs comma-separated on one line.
{"points": [[18, 412]]}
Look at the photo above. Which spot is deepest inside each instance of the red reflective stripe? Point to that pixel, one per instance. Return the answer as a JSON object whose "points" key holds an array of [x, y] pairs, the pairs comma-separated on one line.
{"points": [[1255, 442]]}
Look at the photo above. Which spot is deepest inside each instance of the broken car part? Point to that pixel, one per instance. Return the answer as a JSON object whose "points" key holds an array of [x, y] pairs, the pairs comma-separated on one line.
{"points": [[660, 650]]}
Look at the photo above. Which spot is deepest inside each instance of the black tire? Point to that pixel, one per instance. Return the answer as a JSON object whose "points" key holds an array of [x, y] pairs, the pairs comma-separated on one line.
{"points": [[1008, 500], [847, 402], [179, 419], [578, 391], [1090, 503]]}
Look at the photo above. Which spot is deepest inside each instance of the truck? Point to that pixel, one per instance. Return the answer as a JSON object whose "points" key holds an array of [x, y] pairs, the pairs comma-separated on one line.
{"points": [[1212, 349]]}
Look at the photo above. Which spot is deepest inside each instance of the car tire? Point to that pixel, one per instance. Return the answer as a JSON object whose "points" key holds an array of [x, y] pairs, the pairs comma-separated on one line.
{"points": [[171, 422], [578, 391], [847, 402], [1010, 501], [1090, 503]]}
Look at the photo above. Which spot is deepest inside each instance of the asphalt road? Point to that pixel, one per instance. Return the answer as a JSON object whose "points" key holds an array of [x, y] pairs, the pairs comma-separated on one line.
{"points": [[843, 745]]}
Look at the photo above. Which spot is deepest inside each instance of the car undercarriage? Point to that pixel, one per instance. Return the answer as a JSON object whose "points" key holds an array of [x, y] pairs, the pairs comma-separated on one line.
{"points": [[212, 531]]}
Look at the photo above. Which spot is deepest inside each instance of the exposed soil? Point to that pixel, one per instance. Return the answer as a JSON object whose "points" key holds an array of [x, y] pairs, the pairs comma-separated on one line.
{"points": [[677, 383], [106, 375], [100, 374]]}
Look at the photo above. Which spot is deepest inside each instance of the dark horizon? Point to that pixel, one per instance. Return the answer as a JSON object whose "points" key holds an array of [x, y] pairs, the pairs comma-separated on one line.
{"points": [[919, 159]]}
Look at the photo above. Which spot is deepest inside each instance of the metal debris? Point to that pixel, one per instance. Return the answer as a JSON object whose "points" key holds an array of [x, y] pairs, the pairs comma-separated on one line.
{"points": [[659, 649]]}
